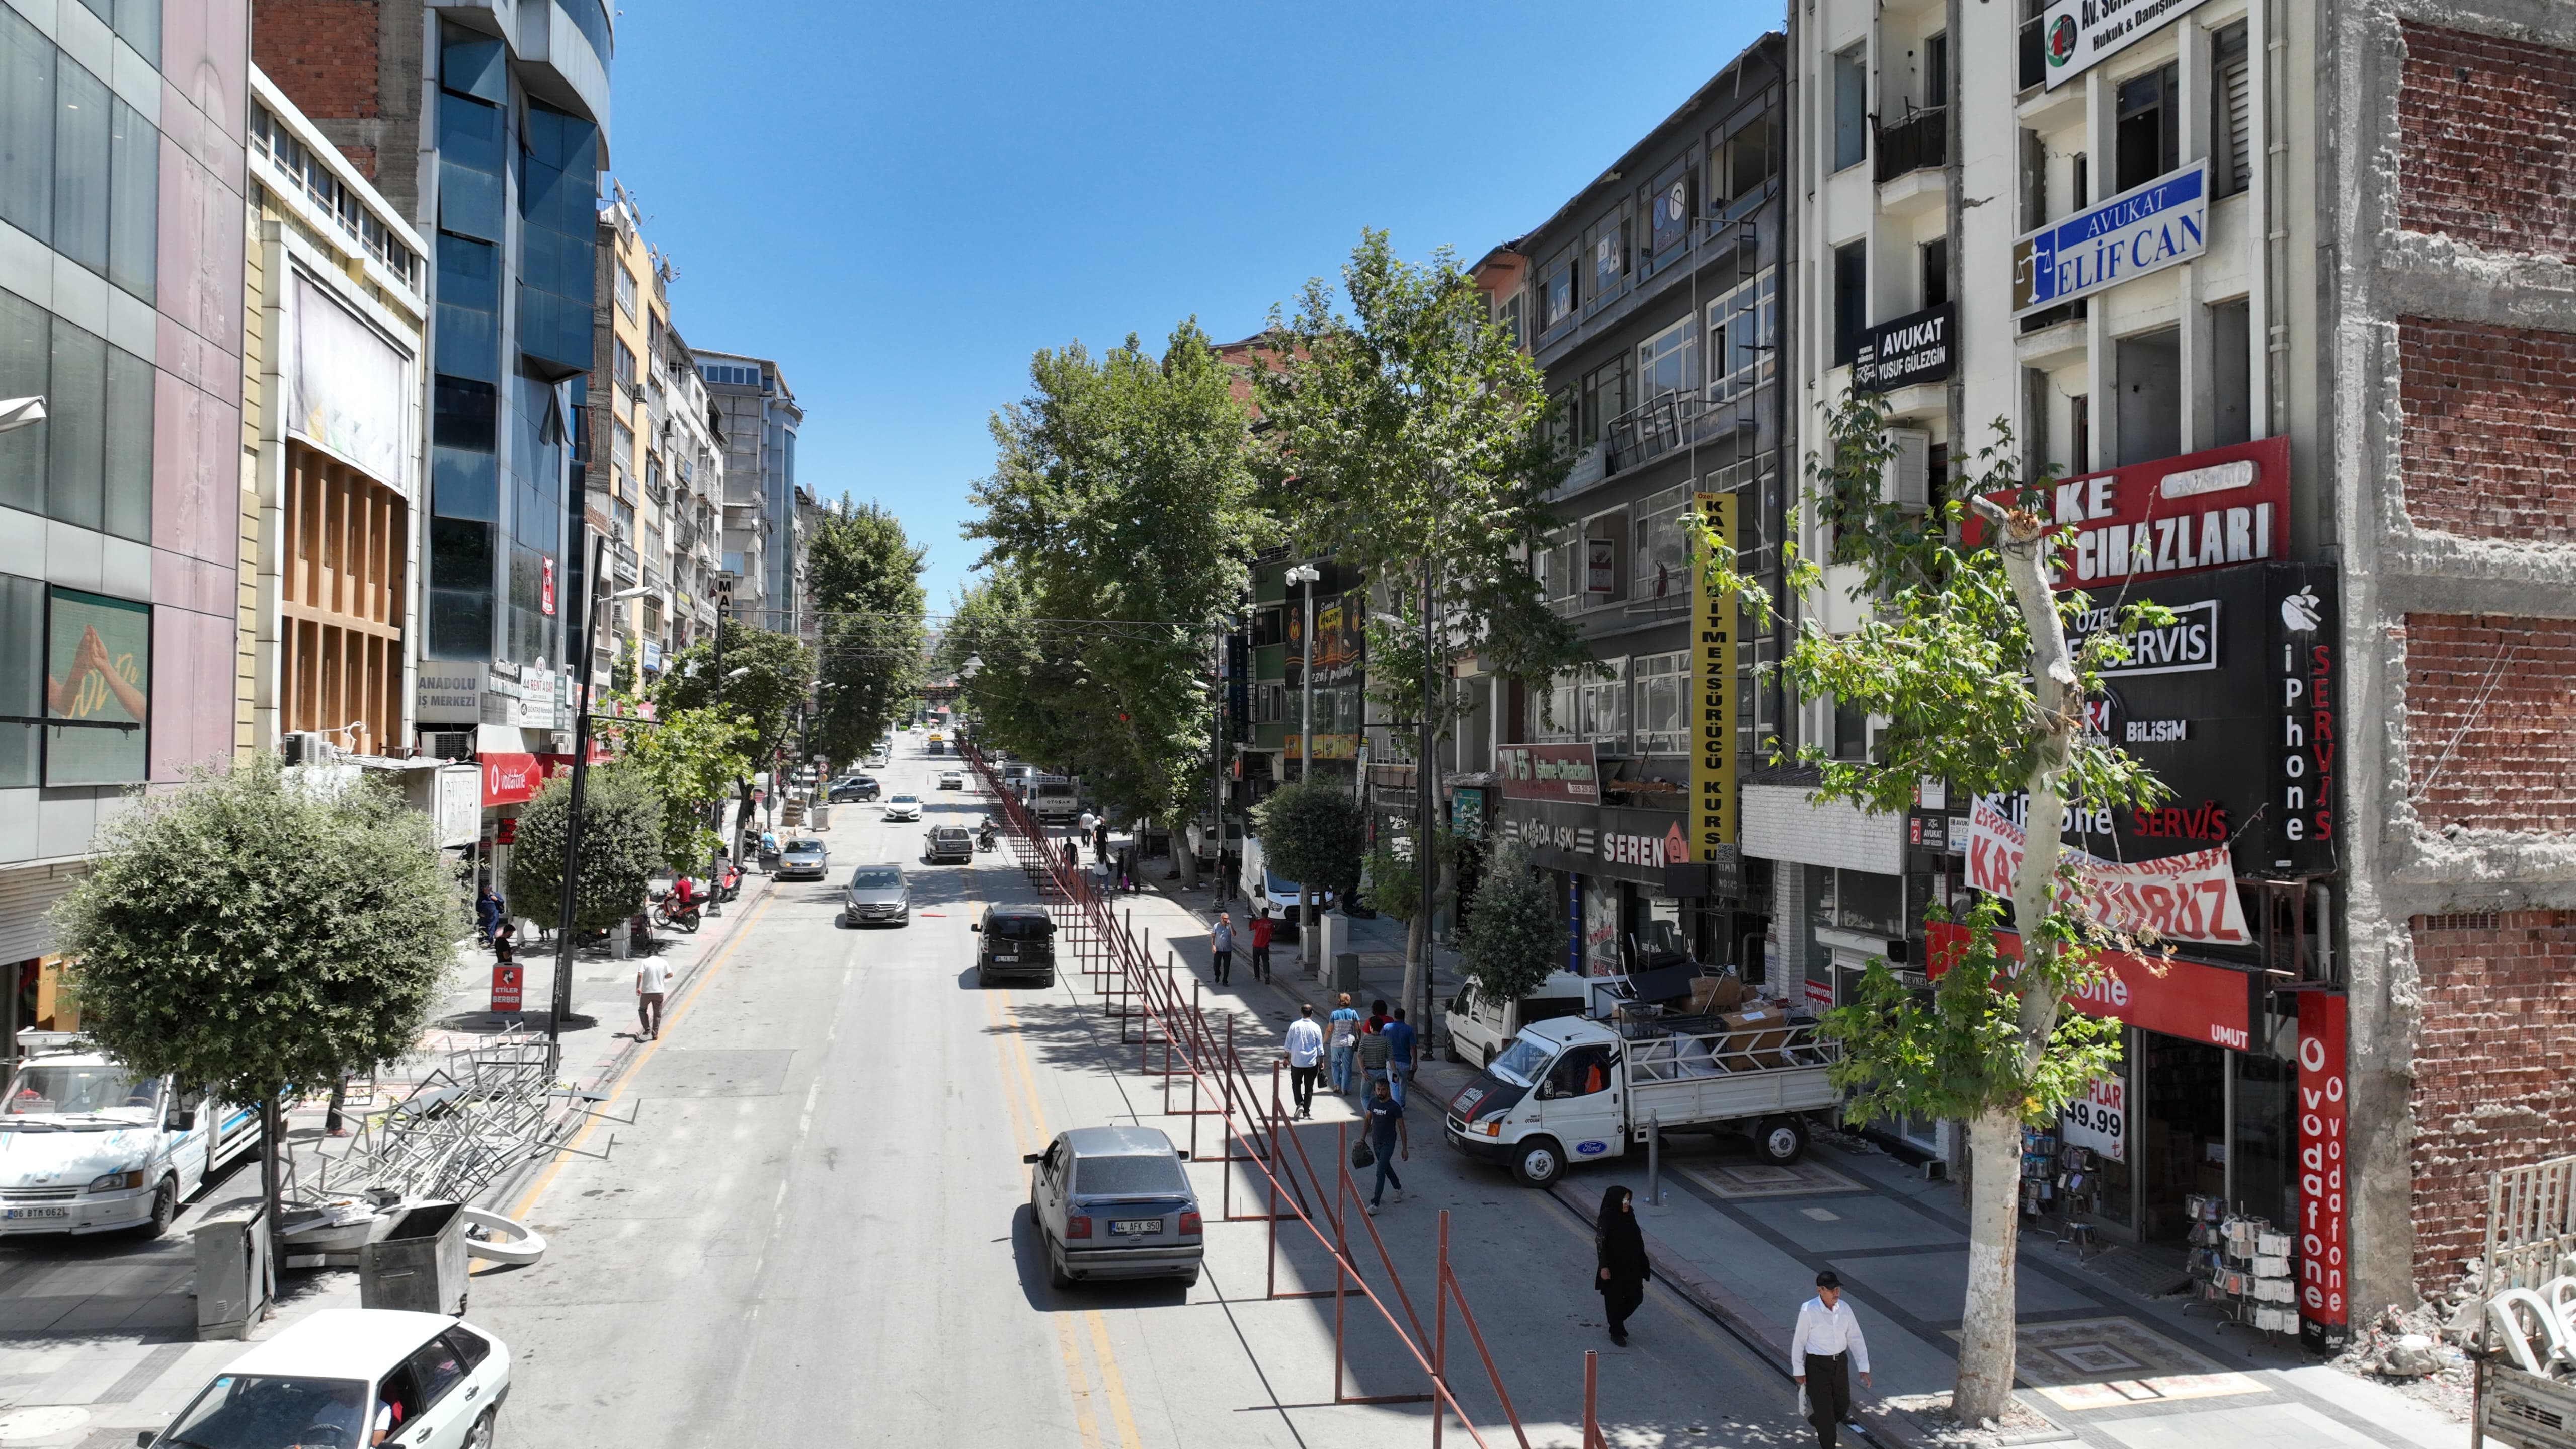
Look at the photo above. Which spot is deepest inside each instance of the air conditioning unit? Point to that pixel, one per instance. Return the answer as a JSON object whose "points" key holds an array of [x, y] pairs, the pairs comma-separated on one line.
{"points": [[452, 744], [307, 747], [1907, 481]]}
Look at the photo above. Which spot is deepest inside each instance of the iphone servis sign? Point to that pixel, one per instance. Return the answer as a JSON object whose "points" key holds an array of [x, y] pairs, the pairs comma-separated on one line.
{"points": [[2144, 229]]}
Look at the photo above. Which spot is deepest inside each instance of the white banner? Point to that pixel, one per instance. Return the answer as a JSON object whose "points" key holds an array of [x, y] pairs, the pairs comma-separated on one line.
{"points": [[347, 387], [2190, 897]]}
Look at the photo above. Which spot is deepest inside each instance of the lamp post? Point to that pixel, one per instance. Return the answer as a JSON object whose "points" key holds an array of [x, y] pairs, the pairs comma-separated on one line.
{"points": [[562, 1002]]}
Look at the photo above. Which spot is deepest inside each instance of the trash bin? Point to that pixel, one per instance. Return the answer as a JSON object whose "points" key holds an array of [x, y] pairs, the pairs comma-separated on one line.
{"points": [[822, 817], [1346, 973], [420, 1264], [232, 1270]]}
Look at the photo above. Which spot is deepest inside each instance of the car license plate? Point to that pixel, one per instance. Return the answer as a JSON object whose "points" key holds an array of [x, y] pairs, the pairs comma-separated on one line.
{"points": [[55, 1212], [1006, 955], [1134, 1227]]}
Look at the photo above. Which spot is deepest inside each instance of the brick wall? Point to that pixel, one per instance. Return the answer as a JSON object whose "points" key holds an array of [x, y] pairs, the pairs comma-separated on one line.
{"points": [[2495, 1068], [2485, 131], [2488, 431], [322, 53], [2491, 721]]}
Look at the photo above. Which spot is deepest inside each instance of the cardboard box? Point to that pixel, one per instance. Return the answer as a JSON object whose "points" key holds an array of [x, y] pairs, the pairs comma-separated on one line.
{"points": [[1711, 995], [1756, 1033]]}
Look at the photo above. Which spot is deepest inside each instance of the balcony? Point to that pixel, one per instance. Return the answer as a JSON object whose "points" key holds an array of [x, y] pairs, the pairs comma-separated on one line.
{"points": [[1655, 427], [1920, 142]]}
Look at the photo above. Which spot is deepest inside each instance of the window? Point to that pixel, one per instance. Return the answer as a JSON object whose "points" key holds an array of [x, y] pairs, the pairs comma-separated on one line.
{"points": [[1605, 543], [1743, 335], [1557, 293], [1741, 166], [1851, 300], [1851, 732], [1662, 687], [1935, 258], [22, 680], [2080, 434], [1609, 257], [2150, 383], [90, 462], [79, 168], [1851, 107], [436, 1368], [621, 454], [627, 298], [1669, 223], [2231, 373], [2231, 123], [1661, 568], [1509, 316], [1553, 709], [621, 359], [1936, 71], [1663, 362], [2149, 136], [1604, 706], [98, 682], [1605, 396]]}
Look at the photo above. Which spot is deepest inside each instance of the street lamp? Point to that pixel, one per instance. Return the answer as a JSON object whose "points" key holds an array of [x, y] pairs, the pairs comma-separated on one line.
{"points": [[562, 999]]}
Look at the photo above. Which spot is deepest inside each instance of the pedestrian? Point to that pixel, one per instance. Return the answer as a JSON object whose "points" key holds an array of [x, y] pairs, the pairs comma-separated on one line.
{"points": [[1100, 842], [1345, 1037], [1305, 1051], [1229, 872], [1221, 948], [652, 979], [487, 913], [1621, 1247], [1377, 1017], [1823, 1350], [1399, 1051], [1386, 1128], [505, 944], [1261, 945], [1375, 1052]]}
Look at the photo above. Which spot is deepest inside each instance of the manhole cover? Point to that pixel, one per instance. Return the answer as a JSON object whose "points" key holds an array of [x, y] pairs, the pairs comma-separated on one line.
{"points": [[19, 1425]]}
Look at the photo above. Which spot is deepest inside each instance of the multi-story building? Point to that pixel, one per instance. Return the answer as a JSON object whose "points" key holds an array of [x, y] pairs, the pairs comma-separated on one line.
{"points": [[691, 445], [2278, 286], [121, 227], [758, 415], [487, 127], [1652, 301], [333, 369]]}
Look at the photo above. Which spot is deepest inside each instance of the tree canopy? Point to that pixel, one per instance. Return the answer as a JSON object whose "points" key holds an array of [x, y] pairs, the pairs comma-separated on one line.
{"points": [[689, 759], [1310, 833], [865, 573], [1516, 934], [775, 682], [622, 845]]}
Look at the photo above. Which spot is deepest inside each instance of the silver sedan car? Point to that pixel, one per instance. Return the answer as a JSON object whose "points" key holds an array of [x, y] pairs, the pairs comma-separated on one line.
{"points": [[878, 896], [1114, 1202], [804, 860]]}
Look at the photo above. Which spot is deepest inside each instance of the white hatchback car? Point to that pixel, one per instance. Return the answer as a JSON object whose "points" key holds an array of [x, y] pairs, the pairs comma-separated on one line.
{"points": [[353, 1378]]}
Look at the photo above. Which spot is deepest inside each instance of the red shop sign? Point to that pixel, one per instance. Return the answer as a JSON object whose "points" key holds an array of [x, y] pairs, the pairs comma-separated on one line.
{"points": [[505, 988], [2174, 516], [509, 779], [2322, 1254], [2188, 999]]}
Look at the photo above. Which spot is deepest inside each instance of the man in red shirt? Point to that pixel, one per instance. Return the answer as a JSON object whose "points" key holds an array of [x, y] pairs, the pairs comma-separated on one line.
{"points": [[1261, 945]]}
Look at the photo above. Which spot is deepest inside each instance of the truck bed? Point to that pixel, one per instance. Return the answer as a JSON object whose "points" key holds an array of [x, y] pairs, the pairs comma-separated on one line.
{"points": [[1689, 1071]]}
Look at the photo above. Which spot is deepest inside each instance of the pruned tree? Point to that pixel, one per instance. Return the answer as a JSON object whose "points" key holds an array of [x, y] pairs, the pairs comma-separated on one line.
{"points": [[763, 677], [1963, 652], [1408, 440], [865, 574], [689, 759], [622, 845], [1516, 934], [255, 936], [1310, 833]]}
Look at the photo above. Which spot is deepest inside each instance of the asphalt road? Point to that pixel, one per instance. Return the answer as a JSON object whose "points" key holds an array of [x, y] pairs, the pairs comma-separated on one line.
{"points": [[817, 1225]]}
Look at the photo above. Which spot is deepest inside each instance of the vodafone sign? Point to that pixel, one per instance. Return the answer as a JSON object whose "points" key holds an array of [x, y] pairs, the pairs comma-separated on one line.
{"points": [[509, 779], [2188, 999]]}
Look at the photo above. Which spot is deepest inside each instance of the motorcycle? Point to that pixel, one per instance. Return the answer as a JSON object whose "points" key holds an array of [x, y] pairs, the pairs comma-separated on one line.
{"points": [[985, 837], [670, 913], [729, 885]]}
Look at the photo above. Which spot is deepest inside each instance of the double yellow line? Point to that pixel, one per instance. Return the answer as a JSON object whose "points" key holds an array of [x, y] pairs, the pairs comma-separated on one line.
{"points": [[1029, 1129]]}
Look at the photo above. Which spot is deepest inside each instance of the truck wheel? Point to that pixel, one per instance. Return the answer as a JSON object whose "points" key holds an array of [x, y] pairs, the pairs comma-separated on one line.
{"points": [[1540, 1162], [1781, 1140], [165, 1206]]}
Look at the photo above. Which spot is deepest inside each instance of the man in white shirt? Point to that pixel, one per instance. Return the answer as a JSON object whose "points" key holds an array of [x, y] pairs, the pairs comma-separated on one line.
{"points": [[652, 979], [1305, 1054], [1823, 1349]]}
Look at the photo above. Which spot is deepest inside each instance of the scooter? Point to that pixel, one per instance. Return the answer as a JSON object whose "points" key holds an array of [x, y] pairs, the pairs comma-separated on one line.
{"points": [[670, 915], [729, 885], [985, 837]]}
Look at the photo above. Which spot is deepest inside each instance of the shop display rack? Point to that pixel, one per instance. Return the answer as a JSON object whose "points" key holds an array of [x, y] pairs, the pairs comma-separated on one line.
{"points": [[2242, 1269]]}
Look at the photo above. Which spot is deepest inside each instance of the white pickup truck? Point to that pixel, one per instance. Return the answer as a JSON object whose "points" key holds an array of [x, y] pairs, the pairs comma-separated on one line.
{"points": [[88, 1147], [1574, 1090]]}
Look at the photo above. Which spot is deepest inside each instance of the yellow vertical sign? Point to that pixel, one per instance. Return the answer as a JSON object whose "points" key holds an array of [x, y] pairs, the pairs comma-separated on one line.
{"points": [[1712, 697]]}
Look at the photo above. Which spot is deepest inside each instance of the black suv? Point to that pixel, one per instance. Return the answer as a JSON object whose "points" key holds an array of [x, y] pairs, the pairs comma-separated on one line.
{"points": [[853, 790], [1019, 941]]}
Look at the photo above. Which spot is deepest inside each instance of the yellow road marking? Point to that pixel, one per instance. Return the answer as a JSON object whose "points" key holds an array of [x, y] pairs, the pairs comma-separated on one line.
{"points": [[537, 1189], [1109, 1379], [1080, 1382]]}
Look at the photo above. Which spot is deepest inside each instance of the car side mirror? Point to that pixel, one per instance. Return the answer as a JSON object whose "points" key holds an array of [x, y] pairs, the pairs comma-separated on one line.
{"points": [[974, 925], [144, 1439], [1033, 1158]]}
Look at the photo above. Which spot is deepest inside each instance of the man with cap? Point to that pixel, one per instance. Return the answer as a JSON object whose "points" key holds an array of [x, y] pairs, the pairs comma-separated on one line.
{"points": [[1823, 1350]]}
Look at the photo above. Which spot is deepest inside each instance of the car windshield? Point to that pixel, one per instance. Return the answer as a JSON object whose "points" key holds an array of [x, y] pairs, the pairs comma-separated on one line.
{"points": [[1023, 928], [75, 1090], [804, 847], [876, 878], [1140, 1175], [948, 832], [1523, 1063], [905, 800], [260, 1411]]}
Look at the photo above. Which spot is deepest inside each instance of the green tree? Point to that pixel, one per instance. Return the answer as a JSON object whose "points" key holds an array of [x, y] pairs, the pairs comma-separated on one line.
{"points": [[1408, 439], [1516, 934], [689, 759], [1310, 833], [865, 574], [1964, 654], [767, 679], [1121, 510], [253, 935], [622, 845], [1395, 878]]}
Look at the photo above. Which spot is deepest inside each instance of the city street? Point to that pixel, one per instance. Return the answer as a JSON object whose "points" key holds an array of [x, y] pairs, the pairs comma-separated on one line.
{"points": [[818, 1221]]}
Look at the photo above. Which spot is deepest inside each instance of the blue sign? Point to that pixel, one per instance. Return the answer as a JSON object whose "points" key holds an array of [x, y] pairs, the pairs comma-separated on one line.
{"points": [[2141, 230], [1590, 1149]]}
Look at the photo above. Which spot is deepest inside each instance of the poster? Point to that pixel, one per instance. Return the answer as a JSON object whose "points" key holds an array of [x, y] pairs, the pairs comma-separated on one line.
{"points": [[2099, 1119], [2323, 1312], [1710, 724], [347, 390], [98, 680], [2187, 897]]}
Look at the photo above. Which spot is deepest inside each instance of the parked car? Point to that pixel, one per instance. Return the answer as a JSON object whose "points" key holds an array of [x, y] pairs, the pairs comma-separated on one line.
{"points": [[347, 1377], [87, 1146], [878, 895], [804, 859], [952, 780], [1483, 1026], [853, 790], [1114, 1202], [903, 807], [944, 843], [1017, 941]]}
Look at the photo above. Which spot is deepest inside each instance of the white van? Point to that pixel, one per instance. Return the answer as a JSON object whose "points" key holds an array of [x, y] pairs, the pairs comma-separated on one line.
{"points": [[88, 1147], [1482, 1026], [1054, 799]]}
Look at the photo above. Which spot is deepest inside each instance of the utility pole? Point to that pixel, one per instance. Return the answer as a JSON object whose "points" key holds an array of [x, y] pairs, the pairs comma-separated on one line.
{"points": [[562, 1002], [1216, 766]]}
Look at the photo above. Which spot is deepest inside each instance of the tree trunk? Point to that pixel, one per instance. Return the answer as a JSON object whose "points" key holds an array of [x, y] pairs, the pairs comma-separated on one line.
{"points": [[1308, 950], [1417, 940], [272, 1132], [1184, 859], [1986, 1327]]}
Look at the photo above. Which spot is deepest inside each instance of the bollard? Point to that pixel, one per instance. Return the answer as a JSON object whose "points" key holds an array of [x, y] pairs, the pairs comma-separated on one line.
{"points": [[1654, 1159]]}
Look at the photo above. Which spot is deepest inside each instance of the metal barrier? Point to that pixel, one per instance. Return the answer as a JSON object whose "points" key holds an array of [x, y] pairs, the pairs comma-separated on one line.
{"points": [[1117, 967]]}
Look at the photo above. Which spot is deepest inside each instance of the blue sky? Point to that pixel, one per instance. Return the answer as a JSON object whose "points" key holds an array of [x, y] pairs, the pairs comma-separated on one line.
{"points": [[901, 202]]}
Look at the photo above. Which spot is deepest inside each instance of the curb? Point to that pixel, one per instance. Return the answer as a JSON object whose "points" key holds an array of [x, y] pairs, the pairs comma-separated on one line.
{"points": [[1755, 1330]]}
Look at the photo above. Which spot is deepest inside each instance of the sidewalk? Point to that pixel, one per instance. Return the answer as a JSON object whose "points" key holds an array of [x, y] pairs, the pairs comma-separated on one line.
{"points": [[2110, 1365], [98, 1335]]}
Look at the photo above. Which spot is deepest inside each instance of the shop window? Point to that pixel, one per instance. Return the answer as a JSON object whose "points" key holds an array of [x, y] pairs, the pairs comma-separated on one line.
{"points": [[1851, 107], [2149, 378], [2231, 122], [2149, 132], [1851, 300]]}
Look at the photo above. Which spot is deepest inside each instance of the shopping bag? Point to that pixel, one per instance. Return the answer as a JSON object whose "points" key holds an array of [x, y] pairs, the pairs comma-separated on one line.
{"points": [[1362, 1159]]}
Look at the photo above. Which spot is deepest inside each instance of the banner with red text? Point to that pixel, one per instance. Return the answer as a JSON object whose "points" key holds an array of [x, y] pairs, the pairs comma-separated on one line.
{"points": [[2188, 897], [2323, 1314]]}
